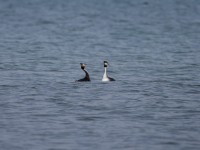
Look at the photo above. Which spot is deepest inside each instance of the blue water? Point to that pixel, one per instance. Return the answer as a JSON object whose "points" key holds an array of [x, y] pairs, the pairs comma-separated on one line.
{"points": [[153, 47]]}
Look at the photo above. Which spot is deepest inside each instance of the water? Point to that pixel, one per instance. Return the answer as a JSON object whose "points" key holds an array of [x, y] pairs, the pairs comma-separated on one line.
{"points": [[153, 50]]}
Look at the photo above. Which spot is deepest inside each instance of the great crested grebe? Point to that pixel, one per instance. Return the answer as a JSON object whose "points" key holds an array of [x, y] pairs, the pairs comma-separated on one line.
{"points": [[87, 76], [105, 76]]}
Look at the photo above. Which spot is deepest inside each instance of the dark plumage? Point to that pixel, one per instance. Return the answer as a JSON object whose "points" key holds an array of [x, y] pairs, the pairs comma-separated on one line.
{"points": [[87, 76]]}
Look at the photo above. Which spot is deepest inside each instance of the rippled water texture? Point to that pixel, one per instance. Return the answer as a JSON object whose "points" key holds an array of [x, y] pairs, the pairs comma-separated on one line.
{"points": [[153, 47]]}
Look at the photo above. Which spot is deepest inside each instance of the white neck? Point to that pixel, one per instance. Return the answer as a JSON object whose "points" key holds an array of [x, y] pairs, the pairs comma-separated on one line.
{"points": [[105, 76]]}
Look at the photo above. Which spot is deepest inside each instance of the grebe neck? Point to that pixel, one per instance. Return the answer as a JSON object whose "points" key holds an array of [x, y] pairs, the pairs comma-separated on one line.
{"points": [[86, 74], [105, 76]]}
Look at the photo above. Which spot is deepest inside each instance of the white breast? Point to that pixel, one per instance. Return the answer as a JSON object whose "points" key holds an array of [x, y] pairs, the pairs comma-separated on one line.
{"points": [[105, 79]]}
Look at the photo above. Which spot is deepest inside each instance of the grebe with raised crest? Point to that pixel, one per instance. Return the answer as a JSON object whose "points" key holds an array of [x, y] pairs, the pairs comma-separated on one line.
{"points": [[87, 76], [105, 76]]}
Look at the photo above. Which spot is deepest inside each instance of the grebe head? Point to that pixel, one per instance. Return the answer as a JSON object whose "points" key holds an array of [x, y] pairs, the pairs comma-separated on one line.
{"points": [[82, 66], [105, 64]]}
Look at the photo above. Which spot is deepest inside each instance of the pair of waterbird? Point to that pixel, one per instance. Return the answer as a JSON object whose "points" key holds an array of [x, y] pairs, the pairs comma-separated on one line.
{"points": [[87, 76]]}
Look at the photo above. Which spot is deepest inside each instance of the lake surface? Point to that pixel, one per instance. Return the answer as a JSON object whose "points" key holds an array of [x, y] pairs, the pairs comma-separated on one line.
{"points": [[153, 47]]}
